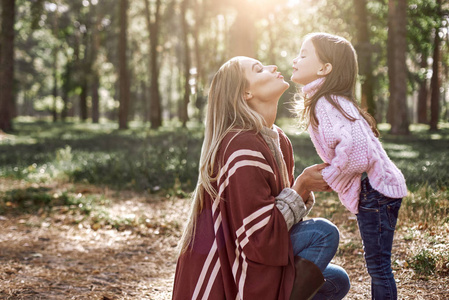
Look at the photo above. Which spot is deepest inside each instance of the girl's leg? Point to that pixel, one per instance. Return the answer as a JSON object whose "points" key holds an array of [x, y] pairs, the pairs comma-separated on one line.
{"points": [[317, 240], [377, 221]]}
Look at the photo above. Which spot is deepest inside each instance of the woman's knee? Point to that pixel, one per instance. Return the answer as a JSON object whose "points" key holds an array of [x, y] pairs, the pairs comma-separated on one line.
{"points": [[337, 283], [330, 231]]}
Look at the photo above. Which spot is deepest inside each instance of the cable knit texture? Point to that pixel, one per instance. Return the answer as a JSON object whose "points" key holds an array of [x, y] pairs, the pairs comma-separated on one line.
{"points": [[351, 148], [271, 137], [292, 207]]}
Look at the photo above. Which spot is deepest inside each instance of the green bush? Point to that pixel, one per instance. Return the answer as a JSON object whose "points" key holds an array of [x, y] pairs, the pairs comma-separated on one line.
{"points": [[424, 263], [167, 159]]}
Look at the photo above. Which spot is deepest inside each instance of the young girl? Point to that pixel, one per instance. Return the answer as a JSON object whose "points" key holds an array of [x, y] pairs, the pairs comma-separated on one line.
{"points": [[366, 180], [245, 226]]}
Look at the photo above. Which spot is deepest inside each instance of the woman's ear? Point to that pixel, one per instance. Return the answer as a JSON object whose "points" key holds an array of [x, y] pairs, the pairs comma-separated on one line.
{"points": [[325, 69], [248, 96]]}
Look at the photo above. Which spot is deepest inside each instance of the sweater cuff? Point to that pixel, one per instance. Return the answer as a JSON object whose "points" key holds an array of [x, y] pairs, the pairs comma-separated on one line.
{"points": [[292, 206]]}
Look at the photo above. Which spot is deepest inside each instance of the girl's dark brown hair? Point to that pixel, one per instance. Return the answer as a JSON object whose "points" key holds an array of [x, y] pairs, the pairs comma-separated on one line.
{"points": [[340, 81]]}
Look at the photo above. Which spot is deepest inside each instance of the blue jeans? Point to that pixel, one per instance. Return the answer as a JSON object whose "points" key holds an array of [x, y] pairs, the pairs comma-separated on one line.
{"points": [[317, 240], [377, 219]]}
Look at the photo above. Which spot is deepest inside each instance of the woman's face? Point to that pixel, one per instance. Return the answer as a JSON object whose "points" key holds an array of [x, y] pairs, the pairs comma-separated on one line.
{"points": [[265, 83], [307, 66]]}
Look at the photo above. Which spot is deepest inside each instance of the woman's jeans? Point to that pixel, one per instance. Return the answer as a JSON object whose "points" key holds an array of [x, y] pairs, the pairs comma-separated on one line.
{"points": [[317, 240], [377, 219]]}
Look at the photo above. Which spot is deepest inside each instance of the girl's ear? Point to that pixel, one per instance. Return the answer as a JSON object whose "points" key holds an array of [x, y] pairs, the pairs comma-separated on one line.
{"points": [[325, 69], [248, 96]]}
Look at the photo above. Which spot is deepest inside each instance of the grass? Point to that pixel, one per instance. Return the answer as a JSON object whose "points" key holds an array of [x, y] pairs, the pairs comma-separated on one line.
{"points": [[137, 158], [146, 160], [165, 163]]}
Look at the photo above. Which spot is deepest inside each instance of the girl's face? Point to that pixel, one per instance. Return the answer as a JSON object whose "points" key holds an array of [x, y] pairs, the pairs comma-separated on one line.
{"points": [[265, 83], [307, 67]]}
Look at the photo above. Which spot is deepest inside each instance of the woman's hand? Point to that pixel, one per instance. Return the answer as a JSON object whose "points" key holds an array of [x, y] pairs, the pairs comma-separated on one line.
{"points": [[311, 180]]}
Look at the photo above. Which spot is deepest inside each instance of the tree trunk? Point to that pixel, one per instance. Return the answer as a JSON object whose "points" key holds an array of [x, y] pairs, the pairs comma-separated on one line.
{"points": [[184, 117], [95, 98], [94, 65], [85, 69], [153, 68], [83, 98], [55, 84], [55, 63], [397, 43], [435, 80], [423, 106], [66, 85], [435, 84], [7, 65], [144, 91], [364, 51], [243, 34], [123, 66], [199, 19], [391, 56]]}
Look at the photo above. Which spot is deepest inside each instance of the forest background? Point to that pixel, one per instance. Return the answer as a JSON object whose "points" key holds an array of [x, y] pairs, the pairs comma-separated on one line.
{"points": [[101, 124], [152, 60]]}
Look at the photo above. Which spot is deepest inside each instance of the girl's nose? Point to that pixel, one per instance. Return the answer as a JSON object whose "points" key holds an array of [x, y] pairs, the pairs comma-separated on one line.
{"points": [[273, 68]]}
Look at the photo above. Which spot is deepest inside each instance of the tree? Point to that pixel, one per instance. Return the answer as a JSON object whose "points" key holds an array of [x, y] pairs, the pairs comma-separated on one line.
{"points": [[123, 66], [153, 25], [397, 68], [184, 117], [7, 64], [364, 52], [55, 29], [95, 84], [435, 80], [422, 20], [243, 31]]}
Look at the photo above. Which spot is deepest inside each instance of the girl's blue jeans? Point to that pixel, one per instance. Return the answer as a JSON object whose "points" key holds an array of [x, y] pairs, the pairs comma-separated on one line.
{"points": [[317, 240], [377, 219]]}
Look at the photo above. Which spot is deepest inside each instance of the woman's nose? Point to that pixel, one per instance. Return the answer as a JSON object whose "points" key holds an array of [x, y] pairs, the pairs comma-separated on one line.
{"points": [[273, 68]]}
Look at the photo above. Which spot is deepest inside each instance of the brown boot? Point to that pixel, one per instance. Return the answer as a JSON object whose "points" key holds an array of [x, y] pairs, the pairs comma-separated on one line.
{"points": [[308, 279]]}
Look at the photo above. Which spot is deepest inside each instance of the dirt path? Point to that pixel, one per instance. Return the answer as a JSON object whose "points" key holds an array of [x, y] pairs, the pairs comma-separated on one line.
{"points": [[46, 256]]}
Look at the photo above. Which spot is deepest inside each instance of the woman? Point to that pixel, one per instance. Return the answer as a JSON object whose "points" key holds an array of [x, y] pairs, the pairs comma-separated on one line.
{"points": [[247, 207]]}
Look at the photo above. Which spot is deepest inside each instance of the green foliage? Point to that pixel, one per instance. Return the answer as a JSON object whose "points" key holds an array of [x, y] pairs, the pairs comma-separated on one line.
{"points": [[167, 159], [25, 199], [34, 199], [424, 263], [138, 159], [422, 157], [428, 205]]}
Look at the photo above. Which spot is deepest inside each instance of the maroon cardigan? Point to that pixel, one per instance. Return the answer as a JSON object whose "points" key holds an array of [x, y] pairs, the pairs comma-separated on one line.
{"points": [[242, 247]]}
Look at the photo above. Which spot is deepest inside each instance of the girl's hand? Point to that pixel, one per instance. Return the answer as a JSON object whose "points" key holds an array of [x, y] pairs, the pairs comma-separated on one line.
{"points": [[311, 180]]}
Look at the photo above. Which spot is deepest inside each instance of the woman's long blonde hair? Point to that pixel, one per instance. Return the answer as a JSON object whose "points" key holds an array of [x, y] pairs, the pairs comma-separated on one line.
{"points": [[341, 81], [227, 111]]}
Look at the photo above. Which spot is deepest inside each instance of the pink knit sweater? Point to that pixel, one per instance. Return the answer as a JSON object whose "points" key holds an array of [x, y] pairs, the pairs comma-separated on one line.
{"points": [[351, 148]]}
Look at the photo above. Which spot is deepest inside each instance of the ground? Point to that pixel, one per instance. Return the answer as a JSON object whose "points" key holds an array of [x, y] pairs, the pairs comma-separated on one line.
{"points": [[58, 254]]}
